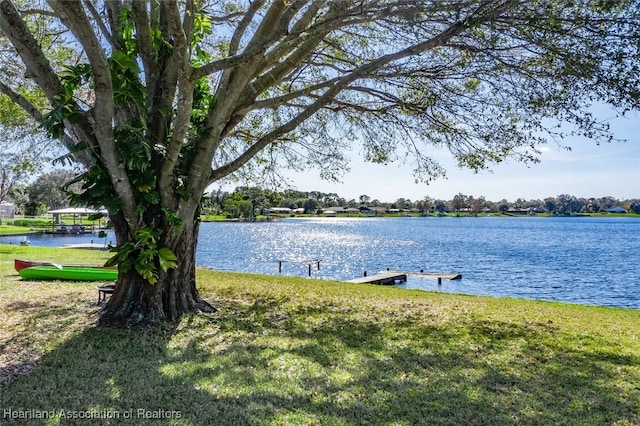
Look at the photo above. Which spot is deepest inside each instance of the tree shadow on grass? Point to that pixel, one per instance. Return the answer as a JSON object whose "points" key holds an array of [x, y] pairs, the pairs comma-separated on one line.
{"points": [[262, 363]]}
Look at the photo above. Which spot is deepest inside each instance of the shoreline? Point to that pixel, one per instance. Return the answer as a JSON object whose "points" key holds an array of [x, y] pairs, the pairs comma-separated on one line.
{"points": [[60, 256], [447, 215]]}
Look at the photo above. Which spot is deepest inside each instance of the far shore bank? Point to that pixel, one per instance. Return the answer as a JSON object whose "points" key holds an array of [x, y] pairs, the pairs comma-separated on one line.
{"points": [[20, 225], [218, 218]]}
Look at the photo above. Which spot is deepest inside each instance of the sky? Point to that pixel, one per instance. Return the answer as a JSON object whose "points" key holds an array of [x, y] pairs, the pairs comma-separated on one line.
{"points": [[588, 170]]}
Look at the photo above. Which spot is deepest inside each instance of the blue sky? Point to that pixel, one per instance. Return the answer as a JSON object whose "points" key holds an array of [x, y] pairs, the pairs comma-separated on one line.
{"points": [[588, 170]]}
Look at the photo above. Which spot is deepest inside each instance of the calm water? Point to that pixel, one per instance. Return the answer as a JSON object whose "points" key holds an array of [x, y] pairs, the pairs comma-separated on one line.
{"points": [[594, 261]]}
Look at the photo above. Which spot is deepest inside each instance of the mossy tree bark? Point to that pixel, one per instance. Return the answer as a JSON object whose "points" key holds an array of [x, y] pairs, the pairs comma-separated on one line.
{"points": [[136, 302]]}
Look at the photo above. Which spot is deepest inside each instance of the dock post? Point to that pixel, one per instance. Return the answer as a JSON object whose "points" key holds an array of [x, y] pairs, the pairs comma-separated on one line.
{"points": [[439, 280], [280, 266], [365, 274], [310, 270]]}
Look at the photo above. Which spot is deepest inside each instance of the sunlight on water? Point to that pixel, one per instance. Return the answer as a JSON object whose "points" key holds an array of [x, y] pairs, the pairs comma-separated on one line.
{"points": [[582, 260]]}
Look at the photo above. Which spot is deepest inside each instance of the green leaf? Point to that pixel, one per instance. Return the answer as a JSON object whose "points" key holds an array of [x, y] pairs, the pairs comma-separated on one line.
{"points": [[167, 254], [166, 259], [124, 61], [113, 260]]}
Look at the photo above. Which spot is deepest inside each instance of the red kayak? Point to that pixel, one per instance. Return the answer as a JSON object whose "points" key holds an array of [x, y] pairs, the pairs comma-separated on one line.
{"points": [[22, 264]]}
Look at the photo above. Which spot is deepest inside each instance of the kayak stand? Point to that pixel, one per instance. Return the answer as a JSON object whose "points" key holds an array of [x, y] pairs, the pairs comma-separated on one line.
{"points": [[103, 290]]}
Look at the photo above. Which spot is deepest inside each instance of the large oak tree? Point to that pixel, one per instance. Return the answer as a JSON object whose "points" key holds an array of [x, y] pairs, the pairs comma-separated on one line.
{"points": [[161, 99]]}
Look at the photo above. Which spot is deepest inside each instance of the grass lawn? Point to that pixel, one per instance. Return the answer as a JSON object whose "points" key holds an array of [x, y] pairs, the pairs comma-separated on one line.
{"points": [[12, 229], [295, 351]]}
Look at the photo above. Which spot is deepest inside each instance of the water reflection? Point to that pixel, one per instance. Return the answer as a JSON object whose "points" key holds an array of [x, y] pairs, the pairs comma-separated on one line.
{"points": [[582, 260]]}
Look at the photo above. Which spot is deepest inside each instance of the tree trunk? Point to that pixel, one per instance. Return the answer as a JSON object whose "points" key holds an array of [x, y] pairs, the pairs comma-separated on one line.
{"points": [[135, 302]]}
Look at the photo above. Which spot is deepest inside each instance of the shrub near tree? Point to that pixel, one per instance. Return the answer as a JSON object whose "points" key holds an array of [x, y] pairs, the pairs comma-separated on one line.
{"points": [[159, 100]]}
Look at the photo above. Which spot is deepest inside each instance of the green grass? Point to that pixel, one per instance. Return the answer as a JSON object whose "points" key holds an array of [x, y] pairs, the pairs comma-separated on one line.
{"points": [[12, 229], [36, 222], [41, 222], [294, 351]]}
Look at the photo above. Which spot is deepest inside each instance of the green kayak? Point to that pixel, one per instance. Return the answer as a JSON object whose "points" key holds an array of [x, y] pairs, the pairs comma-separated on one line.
{"points": [[68, 273]]}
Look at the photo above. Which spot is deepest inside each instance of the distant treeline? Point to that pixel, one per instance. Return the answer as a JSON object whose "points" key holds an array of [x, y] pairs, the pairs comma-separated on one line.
{"points": [[45, 193], [246, 201]]}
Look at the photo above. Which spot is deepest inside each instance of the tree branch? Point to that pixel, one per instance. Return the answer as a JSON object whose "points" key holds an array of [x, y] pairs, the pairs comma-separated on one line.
{"points": [[41, 12], [73, 16], [232, 83], [36, 63], [185, 100], [114, 10], [149, 62], [361, 72], [98, 20], [233, 59], [22, 102]]}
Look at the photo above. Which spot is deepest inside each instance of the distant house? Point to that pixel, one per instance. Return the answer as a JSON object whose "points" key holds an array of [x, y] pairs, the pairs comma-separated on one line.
{"points": [[378, 210], [277, 210], [7, 210], [616, 209], [334, 210], [519, 211]]}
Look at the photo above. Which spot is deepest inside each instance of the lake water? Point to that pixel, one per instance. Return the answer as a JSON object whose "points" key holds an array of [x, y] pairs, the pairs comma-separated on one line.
{"points": [[592, 261]]}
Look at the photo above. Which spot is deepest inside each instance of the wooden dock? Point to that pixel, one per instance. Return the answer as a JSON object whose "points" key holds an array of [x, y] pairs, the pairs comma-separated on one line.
{"points": [[391, 277], [308, 262], [438, 275], [384, 278]]}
